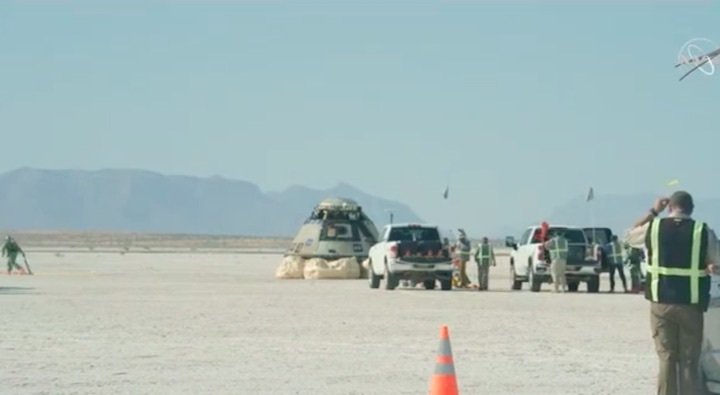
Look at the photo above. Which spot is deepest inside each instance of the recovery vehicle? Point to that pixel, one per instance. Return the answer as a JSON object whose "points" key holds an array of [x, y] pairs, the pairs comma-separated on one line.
{"points": [[529, 260], [412, 252]]}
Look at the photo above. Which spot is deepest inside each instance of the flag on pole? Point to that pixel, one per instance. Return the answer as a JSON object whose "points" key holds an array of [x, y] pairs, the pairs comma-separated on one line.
{"points": [[673, 182], [590, 195], [447, 192]]}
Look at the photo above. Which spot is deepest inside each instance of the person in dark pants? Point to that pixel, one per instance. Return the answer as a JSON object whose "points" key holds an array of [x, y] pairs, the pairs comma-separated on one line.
{"points": [[681, 253], [616, 263]]}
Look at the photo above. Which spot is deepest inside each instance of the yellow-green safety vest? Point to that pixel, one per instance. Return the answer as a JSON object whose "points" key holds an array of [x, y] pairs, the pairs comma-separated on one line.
{"points": [[463, 249], [559, 249], [616, 253], [484, 253], [693, 274]]}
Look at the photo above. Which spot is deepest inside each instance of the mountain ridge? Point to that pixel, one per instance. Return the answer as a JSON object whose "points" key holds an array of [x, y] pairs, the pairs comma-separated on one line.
{"points": [[144, 201], [137, 200]]}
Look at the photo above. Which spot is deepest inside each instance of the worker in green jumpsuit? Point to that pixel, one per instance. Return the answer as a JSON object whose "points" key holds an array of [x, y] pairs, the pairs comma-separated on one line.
{"points": [[11, 249], [484, 256]]}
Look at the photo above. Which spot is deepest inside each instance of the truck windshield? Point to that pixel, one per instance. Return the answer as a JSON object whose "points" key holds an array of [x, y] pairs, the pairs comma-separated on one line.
{"points": [[407, 233], [598, 235], [572, 235]]}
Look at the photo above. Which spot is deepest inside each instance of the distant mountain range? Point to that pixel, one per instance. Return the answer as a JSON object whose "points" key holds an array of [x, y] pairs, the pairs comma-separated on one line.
{"points": [[144, 201], [620, 212]]}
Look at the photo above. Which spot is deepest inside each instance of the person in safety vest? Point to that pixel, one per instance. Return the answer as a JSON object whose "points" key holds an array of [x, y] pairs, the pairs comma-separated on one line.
{"points": [[484, 256], [681, 253], [634, 258], [558, 248], [463, 248], [614, 252]]}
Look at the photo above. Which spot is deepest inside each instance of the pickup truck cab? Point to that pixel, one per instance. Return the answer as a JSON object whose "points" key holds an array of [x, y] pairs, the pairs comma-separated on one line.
{"points": [[528, 262], [411, 252]]}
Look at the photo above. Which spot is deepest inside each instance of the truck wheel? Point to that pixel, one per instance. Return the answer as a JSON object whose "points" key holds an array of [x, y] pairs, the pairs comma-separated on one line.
{"points": [[535, 283], [515, 284], [593, 285], [573, 287], [429, 284], [391, 282], [446, 285], [446, 281], [373, 279]]}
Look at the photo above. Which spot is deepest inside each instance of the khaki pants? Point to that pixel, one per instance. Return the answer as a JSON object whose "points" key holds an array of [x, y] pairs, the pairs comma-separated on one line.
{"points": [[678, 334], [557, 271], [464, 279], [483, 275]]}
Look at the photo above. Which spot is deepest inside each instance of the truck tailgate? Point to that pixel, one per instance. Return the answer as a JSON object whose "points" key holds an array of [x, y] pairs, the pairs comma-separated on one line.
{"points": [[577, 255], [423, 252]]}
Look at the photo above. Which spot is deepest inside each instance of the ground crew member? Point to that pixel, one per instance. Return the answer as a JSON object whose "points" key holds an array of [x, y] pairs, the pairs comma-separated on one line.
{"points": [[558, 247], [616, 263], [11, 249], [484, 256], [681, 252], [634, 257], [463, 248]]}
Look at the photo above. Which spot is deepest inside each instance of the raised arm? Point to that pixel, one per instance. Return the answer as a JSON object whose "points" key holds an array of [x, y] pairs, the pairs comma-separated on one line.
{"points": [[635, 236]]}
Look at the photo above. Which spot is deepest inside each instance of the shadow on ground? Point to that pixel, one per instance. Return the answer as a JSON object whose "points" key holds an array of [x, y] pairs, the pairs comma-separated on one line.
{"points": [[15, 290]]}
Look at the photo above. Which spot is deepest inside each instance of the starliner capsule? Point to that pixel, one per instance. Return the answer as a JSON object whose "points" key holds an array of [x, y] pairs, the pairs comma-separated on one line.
{"points": [[337, 228]]}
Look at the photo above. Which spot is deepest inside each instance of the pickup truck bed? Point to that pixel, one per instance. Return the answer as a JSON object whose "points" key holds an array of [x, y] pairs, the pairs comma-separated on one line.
{"points": [[410, 252], [530, 263], [425, 252], [576, 255]]}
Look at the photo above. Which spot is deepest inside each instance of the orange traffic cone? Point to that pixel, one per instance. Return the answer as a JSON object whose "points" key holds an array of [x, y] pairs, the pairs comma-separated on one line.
{"points": [[444, 381]]}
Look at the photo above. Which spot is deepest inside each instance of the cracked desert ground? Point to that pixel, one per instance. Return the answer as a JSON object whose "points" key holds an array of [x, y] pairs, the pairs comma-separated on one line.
{"points": [[172, 324]]}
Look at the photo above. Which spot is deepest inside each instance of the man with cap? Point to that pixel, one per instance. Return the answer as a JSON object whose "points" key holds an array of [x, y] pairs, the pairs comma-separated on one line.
{"points": [[484, 256], [558, 248], [463, 248], [681, 253], [11, 249]]}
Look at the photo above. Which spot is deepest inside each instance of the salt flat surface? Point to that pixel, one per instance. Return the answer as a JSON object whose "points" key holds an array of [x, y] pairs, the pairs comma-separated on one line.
{"points": [[172, 324]]}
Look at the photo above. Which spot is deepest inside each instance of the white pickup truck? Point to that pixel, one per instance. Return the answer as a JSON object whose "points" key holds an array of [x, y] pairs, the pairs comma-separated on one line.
{"points": [[410, 252], [528, 262]]}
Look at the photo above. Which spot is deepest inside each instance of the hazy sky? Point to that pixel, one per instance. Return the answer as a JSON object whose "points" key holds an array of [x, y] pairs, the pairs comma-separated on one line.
{"points": [[518, 108]]}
